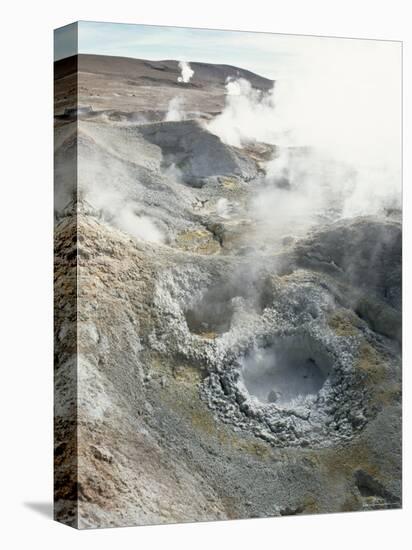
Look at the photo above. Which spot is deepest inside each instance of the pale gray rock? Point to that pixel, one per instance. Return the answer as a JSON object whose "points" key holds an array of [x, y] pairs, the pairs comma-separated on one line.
{"points": [[171, 429]]}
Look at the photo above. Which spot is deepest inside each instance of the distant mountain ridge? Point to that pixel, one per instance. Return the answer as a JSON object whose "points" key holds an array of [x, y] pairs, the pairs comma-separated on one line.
{"points": [[156, 72]]}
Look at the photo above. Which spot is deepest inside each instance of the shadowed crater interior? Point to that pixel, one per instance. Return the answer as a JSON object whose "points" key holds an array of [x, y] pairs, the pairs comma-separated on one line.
{"points": [[286, 370], [212, 314]]}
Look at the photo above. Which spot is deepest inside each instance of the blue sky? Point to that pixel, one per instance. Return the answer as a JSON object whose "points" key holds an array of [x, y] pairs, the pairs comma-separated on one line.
{"points": [[271, 55], [339, 90], [259, 52]]}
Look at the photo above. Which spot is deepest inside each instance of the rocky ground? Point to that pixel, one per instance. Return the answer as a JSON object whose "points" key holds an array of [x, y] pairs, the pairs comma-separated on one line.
{"points": [[223, 369]]}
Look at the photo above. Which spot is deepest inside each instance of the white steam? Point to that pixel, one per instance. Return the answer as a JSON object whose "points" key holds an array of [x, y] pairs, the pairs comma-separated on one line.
{"points": [[341, 101], [112, 187], [120, 212], [175, 111], [139, 226], [248, 115], [186, 72], [222, 208]]}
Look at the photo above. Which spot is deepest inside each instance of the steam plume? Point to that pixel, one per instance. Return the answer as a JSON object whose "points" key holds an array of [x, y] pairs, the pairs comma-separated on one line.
{"points": [[186, 72], [340, 107], [113, 189], [175, 111]]}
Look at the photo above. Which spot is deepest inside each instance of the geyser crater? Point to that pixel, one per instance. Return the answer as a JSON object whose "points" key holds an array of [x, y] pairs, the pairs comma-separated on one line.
{"points": [[212, 314], [284, 372]]}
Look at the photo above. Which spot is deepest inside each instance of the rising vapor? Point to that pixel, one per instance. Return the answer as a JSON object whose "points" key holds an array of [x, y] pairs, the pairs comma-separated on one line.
{"points": [[340, 108], [186, 72]]}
